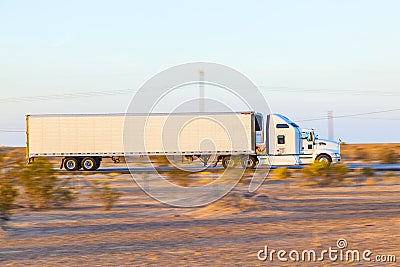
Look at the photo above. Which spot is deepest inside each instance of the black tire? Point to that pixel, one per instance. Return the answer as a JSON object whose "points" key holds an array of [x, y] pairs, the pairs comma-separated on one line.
{"points": [[324, 158], [228, 162], [89, 164], [98, 162], [71, 164], [248, 162]]}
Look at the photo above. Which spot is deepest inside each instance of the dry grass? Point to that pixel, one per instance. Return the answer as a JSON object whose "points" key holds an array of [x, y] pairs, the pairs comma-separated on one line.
{"points": [[371, 153]]}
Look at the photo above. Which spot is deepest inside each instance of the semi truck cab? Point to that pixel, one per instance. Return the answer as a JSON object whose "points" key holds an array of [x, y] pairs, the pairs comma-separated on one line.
{"points": [[282, 142]]}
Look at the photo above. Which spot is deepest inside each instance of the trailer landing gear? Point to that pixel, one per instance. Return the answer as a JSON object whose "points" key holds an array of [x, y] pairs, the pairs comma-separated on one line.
{"points": [[115, 159]]}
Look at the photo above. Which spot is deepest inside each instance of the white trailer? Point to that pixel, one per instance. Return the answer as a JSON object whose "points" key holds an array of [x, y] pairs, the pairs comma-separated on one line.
{"points": [[82, 141]]}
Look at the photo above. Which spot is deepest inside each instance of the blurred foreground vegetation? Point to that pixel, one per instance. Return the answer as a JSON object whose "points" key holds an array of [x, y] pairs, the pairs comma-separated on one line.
{"points": [[37, 186], [321, 175], [371, 153]]}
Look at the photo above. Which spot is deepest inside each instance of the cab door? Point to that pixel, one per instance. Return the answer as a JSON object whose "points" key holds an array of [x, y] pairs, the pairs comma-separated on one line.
{"points": [[307, 143]]}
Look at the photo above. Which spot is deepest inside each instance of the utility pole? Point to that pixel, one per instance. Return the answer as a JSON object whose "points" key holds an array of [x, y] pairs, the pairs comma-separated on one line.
{"points": [[330, 125], [201, 89]]}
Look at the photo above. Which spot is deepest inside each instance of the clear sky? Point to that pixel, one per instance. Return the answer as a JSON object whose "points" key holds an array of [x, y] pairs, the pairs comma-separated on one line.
{"points": [[308, 57]]}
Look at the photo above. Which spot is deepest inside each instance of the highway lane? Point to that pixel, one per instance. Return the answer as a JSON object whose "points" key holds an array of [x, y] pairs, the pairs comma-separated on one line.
{"points": [[125, 170]]}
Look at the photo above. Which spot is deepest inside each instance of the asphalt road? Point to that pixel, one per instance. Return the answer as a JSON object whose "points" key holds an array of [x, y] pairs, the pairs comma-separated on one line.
{"points": [[125, 170]]}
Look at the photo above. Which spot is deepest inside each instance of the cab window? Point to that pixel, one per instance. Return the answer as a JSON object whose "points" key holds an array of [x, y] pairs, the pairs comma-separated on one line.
{"points": [[307, 135], [282, 125], [281, 139]]}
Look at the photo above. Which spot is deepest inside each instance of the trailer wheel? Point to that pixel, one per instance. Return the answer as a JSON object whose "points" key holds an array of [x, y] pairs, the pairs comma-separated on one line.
{"points": [[71, 164], [98, 162], [228, 162], [324, 158], [89, 164], [248, 162]]}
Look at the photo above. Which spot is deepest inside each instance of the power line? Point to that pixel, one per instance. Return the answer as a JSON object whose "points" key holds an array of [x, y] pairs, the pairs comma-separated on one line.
{"points": [[65, 96], [375, 118], [352, 115], [126, 91], [12, 131], [329, 91]]}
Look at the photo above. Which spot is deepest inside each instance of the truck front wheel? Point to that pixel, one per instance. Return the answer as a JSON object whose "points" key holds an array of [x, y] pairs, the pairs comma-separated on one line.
{"points": [[324, 158], [71, 164], [248, 162]]}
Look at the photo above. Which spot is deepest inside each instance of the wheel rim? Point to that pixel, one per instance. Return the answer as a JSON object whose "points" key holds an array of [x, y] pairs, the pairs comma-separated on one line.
{"points": [[229, 163], [70, 164], [248, 162], [324, 159], [88, 164]]}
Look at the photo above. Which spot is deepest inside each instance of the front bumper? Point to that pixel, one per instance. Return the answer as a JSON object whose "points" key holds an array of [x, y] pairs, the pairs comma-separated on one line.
{"points": [[335, 159]]}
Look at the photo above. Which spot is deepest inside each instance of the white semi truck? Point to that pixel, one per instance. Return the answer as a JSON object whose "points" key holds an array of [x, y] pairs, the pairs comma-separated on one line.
{"points": [[248, 138]]}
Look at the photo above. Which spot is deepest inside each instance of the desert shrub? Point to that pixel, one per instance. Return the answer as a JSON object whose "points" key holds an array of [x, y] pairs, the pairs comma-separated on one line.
{"points": [[315, 169], [391, 177], [368, 172], [8, 193], [362, 154], [42, 187], [101, 190], [390, 174], [323, 174], [179, 177], [281, 173], [8, 190], [370, 181], [338, 172], [389, 156]]}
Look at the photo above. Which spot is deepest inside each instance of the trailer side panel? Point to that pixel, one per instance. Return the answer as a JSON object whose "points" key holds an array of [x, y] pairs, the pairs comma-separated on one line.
{"points": [[104, 135]]}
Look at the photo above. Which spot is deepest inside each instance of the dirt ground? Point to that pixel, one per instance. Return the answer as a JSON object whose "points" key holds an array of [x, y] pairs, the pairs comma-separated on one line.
{"points": [[139, 231]]}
